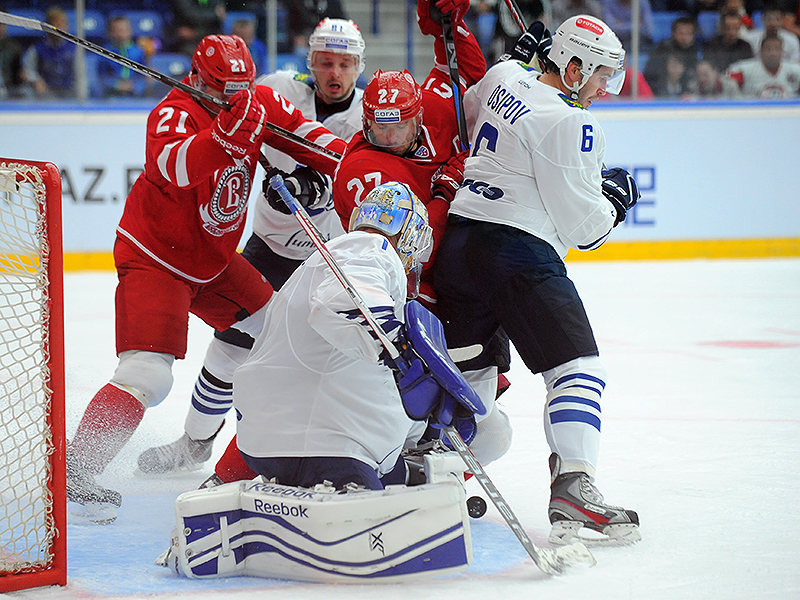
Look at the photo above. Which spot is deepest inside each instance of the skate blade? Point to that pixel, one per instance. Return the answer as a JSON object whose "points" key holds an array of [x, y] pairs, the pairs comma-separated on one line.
{"points": [[92, 513], [618, 534]]}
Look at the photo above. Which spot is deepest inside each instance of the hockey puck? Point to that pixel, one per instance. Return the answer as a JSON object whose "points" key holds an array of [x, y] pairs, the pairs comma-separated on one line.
{"points": [[476, 507]]}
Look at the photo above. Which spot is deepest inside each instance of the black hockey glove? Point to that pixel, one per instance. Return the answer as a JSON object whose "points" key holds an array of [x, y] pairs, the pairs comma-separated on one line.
{"points": [[621, 190], [531, 46], [304, 183]]}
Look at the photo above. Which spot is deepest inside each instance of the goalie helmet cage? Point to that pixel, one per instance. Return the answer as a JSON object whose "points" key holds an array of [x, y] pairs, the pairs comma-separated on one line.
{"points": [[33, 534]]}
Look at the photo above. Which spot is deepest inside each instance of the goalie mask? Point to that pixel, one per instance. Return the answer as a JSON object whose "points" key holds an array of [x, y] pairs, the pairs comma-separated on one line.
{"points": [[392, 106], [221, 67], [591, 41], [394, 210]]}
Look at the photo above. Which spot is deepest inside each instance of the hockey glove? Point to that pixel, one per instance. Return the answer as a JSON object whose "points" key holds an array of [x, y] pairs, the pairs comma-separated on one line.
{"points": [[621, 190], [238, 130], [532, 47], [305, 184], [429, 14], [448, 177], [451, 413]]}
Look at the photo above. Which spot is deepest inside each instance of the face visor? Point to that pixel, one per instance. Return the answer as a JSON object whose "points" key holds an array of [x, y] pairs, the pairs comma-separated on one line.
{"points": [[388, 130]]}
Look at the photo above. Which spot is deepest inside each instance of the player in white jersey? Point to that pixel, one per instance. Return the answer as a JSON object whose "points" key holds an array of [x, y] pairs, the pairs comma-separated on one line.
{"points": [[278, 244], [533, 187], [765, 76]]}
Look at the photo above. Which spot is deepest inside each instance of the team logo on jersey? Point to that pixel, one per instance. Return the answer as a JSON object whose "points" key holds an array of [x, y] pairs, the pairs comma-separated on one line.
{"points": [[422, 152], [228, 203]]}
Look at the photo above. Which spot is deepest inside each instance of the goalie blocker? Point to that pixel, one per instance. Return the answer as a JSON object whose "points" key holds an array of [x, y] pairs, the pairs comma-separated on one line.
{"points": [[318, 535]]}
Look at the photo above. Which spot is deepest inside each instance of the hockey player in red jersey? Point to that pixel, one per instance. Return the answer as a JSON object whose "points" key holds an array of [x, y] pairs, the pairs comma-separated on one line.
{"points": [[410, 131], [176, 244]]}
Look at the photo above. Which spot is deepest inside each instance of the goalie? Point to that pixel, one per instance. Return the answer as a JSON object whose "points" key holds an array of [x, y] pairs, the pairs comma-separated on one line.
{"points": [[317, 399], [321, 408]]}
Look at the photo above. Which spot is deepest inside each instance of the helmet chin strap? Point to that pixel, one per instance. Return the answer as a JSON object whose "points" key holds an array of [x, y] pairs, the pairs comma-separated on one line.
{"points": [[573, 89]]}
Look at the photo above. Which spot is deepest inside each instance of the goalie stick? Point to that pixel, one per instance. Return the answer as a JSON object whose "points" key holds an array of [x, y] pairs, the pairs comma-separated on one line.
{"points": [[27, 23], [552, 562]]}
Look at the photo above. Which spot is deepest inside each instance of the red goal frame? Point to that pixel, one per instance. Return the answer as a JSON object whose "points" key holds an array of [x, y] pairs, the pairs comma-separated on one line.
{"points": [[55, 571]]}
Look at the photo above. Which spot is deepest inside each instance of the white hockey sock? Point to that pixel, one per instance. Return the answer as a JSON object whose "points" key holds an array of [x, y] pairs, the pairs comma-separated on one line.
{"points": [[572, 413], [212, 396]]}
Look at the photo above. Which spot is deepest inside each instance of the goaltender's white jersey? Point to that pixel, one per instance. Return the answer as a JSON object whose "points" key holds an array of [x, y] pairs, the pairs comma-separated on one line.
{"points": [[312, 384], [536, 161], [281, 232]]}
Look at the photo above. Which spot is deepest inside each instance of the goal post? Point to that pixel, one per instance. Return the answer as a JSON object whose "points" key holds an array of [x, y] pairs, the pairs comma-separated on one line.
{"points": [[33, 532]]}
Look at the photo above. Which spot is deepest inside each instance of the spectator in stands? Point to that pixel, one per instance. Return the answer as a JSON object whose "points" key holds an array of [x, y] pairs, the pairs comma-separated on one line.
{"points": [[564, 9], [192, 21], [10, 64], [727, 47], [617, 15], [766, 76], [772, 17], [791, 18], [246, 29], [682, 46], [738, 6], [48, 65], [115, 79], [304, 15], [707, 80]]}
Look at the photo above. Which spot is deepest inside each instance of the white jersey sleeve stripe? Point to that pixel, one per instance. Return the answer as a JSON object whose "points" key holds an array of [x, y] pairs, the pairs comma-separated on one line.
{"points": [[163, 160], [181, 172]]}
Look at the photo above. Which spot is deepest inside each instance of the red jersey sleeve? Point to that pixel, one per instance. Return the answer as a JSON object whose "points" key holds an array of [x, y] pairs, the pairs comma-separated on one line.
{"points": [[179, 142], [283, 113], [471, 63]]}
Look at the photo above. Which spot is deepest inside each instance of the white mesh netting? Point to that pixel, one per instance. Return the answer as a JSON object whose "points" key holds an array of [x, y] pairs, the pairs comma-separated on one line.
{"points": [[26, 521]]}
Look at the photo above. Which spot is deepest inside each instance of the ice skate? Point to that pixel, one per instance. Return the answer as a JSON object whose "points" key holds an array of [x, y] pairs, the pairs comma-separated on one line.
{"points": [[575, 503], [94, 503], [184, 454]]}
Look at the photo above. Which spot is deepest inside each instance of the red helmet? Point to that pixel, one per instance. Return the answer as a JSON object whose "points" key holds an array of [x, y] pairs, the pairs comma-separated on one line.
{"points": [[222, 63], [391, 97]]}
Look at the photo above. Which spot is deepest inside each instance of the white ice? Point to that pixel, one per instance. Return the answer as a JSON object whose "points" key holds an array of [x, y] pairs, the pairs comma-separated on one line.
{"points": [[701, 436]]}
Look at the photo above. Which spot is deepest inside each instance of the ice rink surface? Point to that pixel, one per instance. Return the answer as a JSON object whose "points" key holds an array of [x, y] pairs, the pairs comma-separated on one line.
{"points": [[701, 436]]}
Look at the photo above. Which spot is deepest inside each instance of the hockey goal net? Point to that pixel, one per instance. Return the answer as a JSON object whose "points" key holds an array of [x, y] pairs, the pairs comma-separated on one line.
{"points": [[32, 438]]}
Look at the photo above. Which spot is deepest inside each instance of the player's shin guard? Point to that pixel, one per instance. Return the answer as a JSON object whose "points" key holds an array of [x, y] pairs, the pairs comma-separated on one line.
{"points": [[106, 426], [271, 530], [572, 413]]}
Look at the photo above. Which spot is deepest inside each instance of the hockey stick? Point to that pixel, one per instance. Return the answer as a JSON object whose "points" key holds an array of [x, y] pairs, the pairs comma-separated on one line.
{"points": [[27, 23], [515, 13], [552, 562], [455, 79]]}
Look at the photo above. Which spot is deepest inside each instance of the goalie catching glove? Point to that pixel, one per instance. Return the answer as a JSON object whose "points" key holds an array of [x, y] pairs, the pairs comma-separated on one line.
{"points": [[621, 190], [307, 186], [239, 129], [431, 386]]}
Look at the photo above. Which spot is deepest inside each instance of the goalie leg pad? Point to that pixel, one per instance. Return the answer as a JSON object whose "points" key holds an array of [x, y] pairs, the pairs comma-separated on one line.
{"points": [[271, 530]]}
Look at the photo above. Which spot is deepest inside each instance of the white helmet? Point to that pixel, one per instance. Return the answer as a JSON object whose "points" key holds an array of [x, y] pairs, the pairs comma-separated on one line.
{"points": [[593, 42], [340, 36]]}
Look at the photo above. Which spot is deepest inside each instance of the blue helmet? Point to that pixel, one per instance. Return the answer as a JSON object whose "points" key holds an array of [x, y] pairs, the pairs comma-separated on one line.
{"points": [[394, 210]]}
